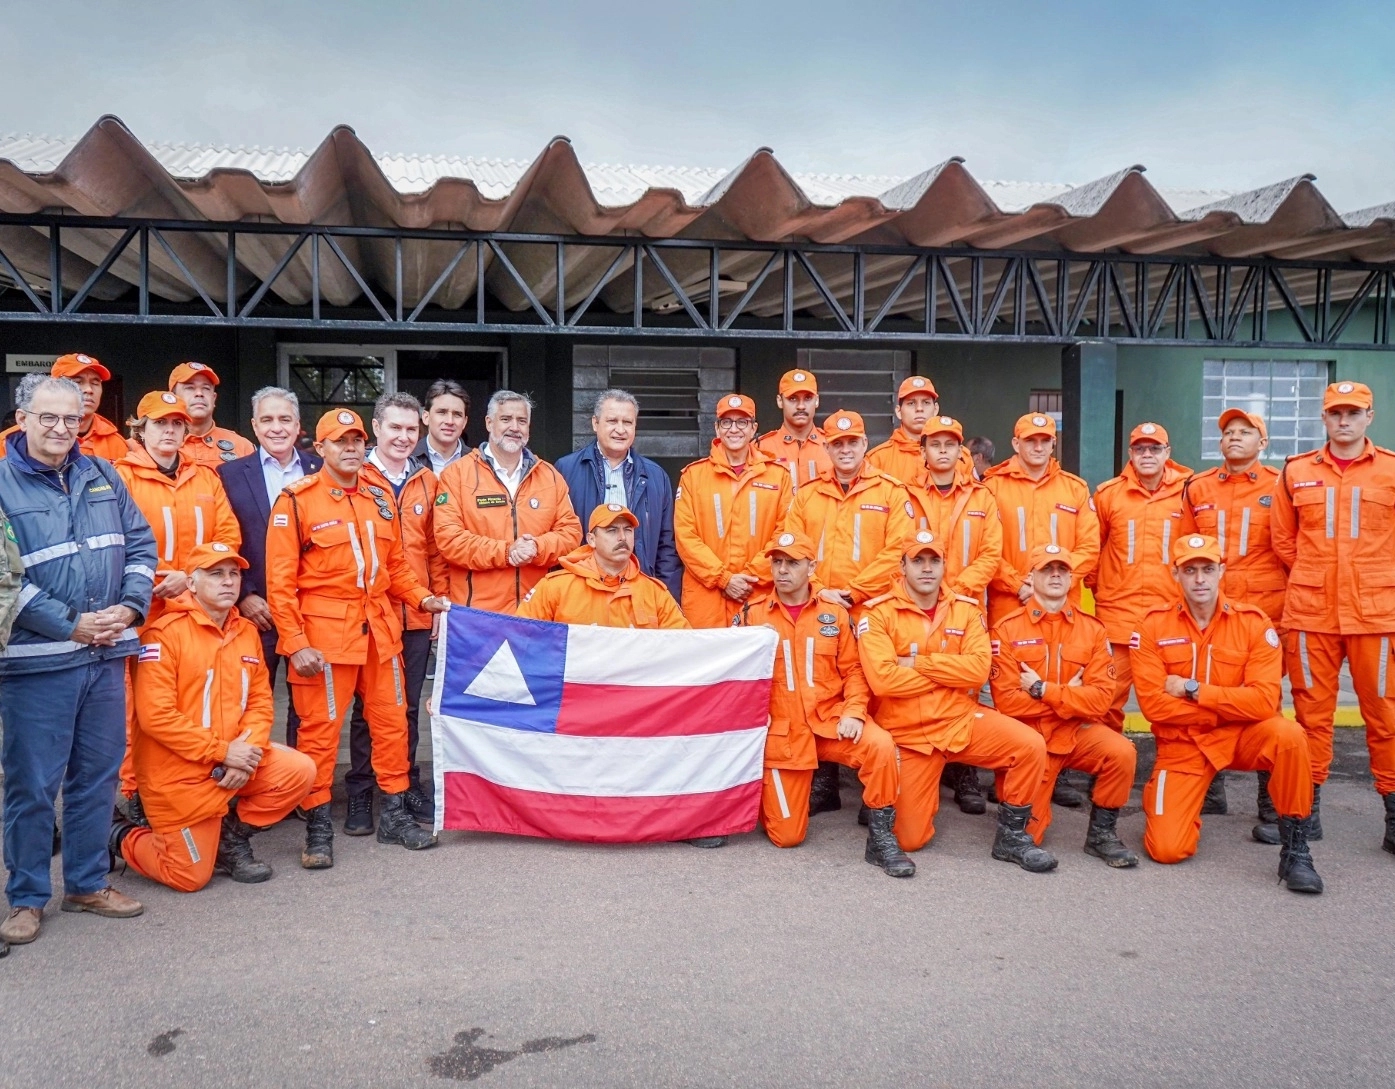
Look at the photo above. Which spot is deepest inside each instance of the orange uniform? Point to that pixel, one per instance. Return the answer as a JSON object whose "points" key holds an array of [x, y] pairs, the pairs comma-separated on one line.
{"points": [[931, 707], [103, 440], [1056, 509], [818, 682], [216, 447], [966, 518], [804, 458], [1235, 508], [1234, 722], [722, 520], [1059, 648], [477, 520], [198, 687], [1335, 530], [336, 577], [901, 456], [416, 510], [1137, 532], [580, 593]]}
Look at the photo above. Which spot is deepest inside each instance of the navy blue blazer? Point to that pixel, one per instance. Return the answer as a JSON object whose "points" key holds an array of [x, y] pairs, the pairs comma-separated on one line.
{"points": [[246, 488]]}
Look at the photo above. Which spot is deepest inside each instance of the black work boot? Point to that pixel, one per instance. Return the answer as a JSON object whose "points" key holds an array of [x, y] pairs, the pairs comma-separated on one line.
{"points": [[968, 792], [882, 848], [135, 811], [358, 821], [1267, 830], [319, 839], [1012, 844], [864, 814], [824, 796], [395, 826], [707, 842], [235, 853], [1065, 794], [120, 829], [1295, 860], [1315, 820], [1388, 844], [1102, 840], [421, 806], [1214, 804]]}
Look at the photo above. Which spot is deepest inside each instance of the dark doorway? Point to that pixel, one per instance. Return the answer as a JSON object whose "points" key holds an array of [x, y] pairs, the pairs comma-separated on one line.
{"points": [[481, 373]]}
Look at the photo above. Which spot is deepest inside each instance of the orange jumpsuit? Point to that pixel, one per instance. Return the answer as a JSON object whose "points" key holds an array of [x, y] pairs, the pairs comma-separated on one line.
{"points": [[721, 522], [1137, 532], [103, 440], [1056, 509], [1335, 530], [805, 460], [416, 510], [931, 708], [580, 593], [1059, 647], [1234, 722], [216, 447], [901, 456], [818, 663], [966, 518], [477, 520], [859, 534], [1235, 509], [335, 571], [200, 686]]}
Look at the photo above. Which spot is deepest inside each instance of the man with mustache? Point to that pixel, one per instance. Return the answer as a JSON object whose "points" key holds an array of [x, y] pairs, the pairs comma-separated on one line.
{"points": [[797, 443]]}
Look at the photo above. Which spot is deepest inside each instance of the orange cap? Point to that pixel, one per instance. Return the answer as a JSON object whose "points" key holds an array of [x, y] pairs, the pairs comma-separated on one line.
{"points": [[215, 552], [916, 384], [185, 371], [794, 545], [1197, 547], [1149, 432], [73, 364], [943, 425], [162, 405], [798, 381], [607, 514], [735, 404], [338, 422], [1254, 419], [1034, 423], [1347, 395], [924, 541], [842, 424], [1049, 553]]}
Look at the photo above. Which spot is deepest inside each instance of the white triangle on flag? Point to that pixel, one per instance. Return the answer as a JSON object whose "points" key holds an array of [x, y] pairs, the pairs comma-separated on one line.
{"points": [[501, 680]]}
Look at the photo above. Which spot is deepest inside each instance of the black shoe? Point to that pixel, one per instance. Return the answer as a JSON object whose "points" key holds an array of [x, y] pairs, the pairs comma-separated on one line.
{"points": [[319, 839], [135, 811], [1012, 844], [1063, 794], [824, 796], [421, 806], [1388, 844], [1315, 820], [708, 842], [395, 826], [235, 853], [968, 792], [58, 836], [882, 848], [1102, 839], [864, 814], [358, 821], [1214, 804], [120, 829], [1295, 860], [1267, 830]]}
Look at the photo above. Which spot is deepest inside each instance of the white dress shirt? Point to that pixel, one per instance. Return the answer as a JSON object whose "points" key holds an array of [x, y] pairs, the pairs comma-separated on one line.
{"points": [[275, 476]]}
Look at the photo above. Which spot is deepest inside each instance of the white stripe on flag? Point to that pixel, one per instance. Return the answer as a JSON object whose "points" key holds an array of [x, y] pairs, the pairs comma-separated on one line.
{"points": [[671, 657]]}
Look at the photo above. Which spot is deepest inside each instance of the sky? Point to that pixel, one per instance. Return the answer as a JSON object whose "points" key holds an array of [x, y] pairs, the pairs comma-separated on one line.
{"points": [[1225, 94]]}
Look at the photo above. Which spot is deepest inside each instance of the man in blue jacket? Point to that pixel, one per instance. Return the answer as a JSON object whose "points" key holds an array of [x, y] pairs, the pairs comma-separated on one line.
{"points": [[609, 471], [89, 565]]}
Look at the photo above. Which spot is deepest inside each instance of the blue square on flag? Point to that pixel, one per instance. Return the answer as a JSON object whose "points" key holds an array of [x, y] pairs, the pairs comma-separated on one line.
{"points": [[504, 670]]}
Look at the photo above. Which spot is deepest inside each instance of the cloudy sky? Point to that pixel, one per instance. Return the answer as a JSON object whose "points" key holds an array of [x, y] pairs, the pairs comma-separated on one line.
{"points": [[1228, 94]]}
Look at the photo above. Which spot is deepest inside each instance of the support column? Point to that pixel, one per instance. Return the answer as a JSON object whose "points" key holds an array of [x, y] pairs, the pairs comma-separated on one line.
{"points": [[1089, 374]]}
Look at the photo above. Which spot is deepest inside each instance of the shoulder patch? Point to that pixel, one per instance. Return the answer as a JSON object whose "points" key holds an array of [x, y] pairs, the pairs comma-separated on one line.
{"points": [[280, 519], [442, 497], [871, 602], [149, 652], [1135, 641], [300, 485], [1272, 638], [862, 627]]}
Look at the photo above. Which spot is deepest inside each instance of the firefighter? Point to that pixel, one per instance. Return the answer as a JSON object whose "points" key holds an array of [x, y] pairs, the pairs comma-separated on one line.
{"points": [[926, 654], [197, 385], [1208, 674], [1334, 527], [98, 437], [204, 702], [726, 509], [1054, 670], [797, 443], [901, 455], [336, 581]]}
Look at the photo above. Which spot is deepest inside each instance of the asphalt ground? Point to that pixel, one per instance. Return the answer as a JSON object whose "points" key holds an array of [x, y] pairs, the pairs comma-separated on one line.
{"points": [[517, 962]]}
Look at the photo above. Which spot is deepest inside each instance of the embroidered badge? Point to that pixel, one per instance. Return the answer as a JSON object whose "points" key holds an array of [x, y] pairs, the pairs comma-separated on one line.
{"points": [[1271, 637], [149, 652], [829, 629]]}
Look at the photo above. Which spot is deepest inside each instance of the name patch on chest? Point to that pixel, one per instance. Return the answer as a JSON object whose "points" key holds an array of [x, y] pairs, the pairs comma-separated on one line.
{"points": [[491, 500], [1068, 510], [1028, 642], [767, 487], [1308, 484], [1180, 641], [954, 631], [1204, 506], [876, 507], [326, 525], [250, 660]]}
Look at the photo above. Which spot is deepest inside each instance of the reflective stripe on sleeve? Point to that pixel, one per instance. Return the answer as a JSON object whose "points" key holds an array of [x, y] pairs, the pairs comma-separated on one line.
{"points": [[721, 523], [27, 594], [780, 793], [62, 646], [105, 540], [208, 700], [1158, 800], [139, 569], [1303, 660]]}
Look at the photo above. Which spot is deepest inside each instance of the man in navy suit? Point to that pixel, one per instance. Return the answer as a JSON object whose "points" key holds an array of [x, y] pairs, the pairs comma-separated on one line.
{"points": [[253, 483]]}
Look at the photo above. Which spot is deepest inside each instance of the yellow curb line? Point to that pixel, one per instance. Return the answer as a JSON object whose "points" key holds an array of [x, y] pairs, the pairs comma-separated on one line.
{"points": [[1135, 723]]}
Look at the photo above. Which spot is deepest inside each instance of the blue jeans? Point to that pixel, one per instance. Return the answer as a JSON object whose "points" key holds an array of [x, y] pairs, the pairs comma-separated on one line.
{"points": [[64, 727]]}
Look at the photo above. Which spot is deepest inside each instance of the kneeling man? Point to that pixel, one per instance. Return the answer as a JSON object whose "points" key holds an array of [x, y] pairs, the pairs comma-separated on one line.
{"points": [[208, 774], [1207, 675]]}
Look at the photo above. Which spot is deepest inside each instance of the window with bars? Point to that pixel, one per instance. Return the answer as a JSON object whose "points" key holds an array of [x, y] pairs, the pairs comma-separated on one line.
{"points": [[859, 380], [1287, 393], [322, 382], [1048, 403]]}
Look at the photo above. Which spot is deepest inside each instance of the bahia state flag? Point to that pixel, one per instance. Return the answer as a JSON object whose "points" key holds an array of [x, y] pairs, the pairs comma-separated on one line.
{"points": [[610, 735]]}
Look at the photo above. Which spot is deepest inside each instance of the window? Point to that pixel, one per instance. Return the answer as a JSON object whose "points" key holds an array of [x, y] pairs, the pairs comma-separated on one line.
{"points": [[1048, 403], [322, 382], [1287, 393], [859, 380]]}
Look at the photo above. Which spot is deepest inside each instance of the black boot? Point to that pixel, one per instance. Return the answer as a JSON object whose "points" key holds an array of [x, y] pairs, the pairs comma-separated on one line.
{"points": [[1102, 841], [319, 839], [1267, 830], [395, 826], [1214, 804], [358, 821], [707, 842], [968, 792], [1315, 821], [1065, 794], [235, 853], [135, 811], [1012, 844], [421, 805], [120, 829], [864, 814], [1388, 844], [882, 848], [1295, 860], [823, 791]]}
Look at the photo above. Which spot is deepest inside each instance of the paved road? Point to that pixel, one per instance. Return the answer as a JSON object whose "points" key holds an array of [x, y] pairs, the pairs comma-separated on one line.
{"points": [[522, 963]]}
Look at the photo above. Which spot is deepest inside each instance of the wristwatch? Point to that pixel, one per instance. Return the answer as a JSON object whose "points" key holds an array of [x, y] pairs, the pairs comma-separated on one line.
{"points": [[1037, 690], [1191, 688]]}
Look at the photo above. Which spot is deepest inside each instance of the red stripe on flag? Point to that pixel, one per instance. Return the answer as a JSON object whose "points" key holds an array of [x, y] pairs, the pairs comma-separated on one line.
{"points": [[474, 804], [630, 710]]}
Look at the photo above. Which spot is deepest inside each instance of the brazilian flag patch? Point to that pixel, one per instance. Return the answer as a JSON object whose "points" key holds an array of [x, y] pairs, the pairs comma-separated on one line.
{"points": [[10, 533], [440, 499]]}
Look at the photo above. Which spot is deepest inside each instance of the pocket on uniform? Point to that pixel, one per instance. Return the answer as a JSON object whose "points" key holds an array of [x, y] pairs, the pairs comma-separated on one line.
{"points": [[1307, 591], [1227, 668], [1375, 599], [330, 535]]}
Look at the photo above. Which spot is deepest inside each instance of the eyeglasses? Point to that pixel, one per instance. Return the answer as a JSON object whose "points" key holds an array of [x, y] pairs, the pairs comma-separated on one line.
{"points": [[49, 421], [1147, 449], [734, 423]]}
